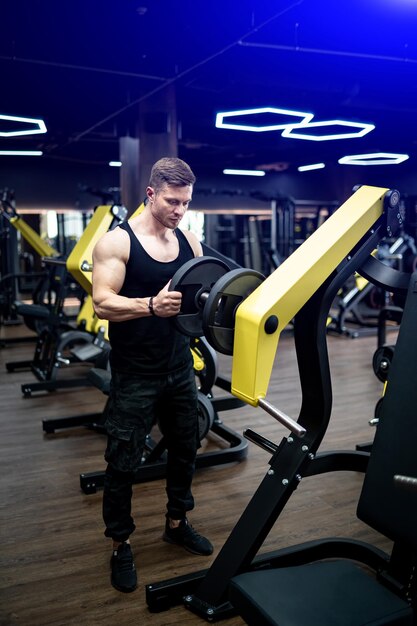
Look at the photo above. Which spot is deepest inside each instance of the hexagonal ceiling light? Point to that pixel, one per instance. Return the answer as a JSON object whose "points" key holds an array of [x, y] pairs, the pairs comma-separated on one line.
{"points": [[264, 112], [376, 158], [303, 130], [38, 123]]}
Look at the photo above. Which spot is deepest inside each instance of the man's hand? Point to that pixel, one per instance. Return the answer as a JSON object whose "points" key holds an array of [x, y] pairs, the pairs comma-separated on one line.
{"points": [[167, 303]]}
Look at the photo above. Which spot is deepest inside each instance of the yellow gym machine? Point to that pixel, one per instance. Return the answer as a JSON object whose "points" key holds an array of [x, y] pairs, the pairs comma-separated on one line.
{"points": [[293, 586], [60, 343], [39, 245], [10, 280], [79, 264]]}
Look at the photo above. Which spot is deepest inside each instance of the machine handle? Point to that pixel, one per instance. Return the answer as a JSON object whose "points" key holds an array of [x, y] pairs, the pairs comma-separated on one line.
{"points": [[51, 260], [260, 441], [281, 417]]}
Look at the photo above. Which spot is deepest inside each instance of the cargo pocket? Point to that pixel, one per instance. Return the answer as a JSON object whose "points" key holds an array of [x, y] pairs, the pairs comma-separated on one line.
{"points": [[120, 452], [119, 431]]}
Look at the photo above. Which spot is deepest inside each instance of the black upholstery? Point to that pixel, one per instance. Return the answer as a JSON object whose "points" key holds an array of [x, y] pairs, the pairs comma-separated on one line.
{"points": [[329, 593]]}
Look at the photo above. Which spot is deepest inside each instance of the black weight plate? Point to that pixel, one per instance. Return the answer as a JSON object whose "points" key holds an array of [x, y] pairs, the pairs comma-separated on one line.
{"points": [[194, 278], [206, 415], [220, 309]]}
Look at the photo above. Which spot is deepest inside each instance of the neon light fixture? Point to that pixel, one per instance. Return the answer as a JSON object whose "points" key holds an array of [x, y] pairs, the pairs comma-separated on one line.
{"points": [[21, 152], [264, 111], [244, 172], [40, 126], [376, 158], [115, 163], [297, 131], [313, 166]]}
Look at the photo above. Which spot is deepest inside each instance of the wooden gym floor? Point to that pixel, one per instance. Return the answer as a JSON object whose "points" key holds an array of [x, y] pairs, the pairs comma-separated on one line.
{"points": [[54, 559]]}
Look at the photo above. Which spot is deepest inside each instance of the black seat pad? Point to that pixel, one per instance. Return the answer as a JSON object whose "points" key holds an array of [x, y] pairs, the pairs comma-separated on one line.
{"points": [[327, 593]]}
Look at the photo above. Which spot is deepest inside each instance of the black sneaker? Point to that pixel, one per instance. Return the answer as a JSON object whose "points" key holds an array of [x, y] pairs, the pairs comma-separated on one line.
{"points": [[123, 572], [188, 538]]}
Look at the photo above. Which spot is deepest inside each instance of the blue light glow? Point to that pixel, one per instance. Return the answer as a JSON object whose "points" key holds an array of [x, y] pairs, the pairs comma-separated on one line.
{"points": [[220, 123], [245, 172], [41, 128], [313, 166], [295, 131], [115, 163], [376, 158], [21, 152]]}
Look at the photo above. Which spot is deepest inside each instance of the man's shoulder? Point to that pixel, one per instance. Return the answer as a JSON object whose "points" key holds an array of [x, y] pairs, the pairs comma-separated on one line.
{"points": [[112, 241], [193, 242]]}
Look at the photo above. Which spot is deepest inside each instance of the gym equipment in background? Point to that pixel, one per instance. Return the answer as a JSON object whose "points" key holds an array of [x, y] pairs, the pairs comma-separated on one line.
{"points": [[61, 343], [13, 282], [360, 307]]}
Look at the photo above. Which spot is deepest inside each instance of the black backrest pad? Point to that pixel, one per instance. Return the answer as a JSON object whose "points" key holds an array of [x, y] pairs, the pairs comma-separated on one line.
{"points": [[383, 504]]}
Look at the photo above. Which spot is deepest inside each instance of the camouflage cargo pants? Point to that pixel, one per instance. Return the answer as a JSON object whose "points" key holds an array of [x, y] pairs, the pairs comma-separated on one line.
{"points": [[135, 403]]}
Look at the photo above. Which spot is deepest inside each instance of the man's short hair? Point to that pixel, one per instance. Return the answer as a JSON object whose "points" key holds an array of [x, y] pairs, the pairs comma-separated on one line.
{"points": [[171, 171]]}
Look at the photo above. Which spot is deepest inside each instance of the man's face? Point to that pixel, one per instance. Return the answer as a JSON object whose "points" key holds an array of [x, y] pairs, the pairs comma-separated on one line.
{"points": [[169, 204]]}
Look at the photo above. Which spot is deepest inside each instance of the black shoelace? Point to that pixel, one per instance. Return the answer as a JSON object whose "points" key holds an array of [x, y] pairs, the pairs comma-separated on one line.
{"points": [[124, 562]]}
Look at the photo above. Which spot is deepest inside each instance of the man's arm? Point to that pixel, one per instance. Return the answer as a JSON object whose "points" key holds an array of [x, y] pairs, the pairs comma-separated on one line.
{"points": [[109, 270]]}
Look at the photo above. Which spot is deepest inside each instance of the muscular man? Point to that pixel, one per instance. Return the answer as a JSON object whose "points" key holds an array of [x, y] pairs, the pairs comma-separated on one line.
{"points": [[151, 363]]}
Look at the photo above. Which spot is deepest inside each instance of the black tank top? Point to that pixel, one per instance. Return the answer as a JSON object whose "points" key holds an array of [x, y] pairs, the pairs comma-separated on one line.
{"points": [[149, 345]]}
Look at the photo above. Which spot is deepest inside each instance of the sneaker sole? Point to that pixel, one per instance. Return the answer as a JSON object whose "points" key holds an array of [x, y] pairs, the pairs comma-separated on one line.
{"points": [[181, 545], [124, 589]]}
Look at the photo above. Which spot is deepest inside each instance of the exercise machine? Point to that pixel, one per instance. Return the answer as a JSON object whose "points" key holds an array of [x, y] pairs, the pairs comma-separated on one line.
{"points": [[302, 289], [12, 281], [361, 307], [59, 342]]}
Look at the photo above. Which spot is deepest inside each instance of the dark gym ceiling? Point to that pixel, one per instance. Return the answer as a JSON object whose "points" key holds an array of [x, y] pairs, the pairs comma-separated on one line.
{"points": [[83, 67]]}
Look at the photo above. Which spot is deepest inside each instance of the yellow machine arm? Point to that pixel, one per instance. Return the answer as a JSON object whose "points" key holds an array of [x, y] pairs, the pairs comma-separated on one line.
{"points": [[40, 246], [291, 285]]}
